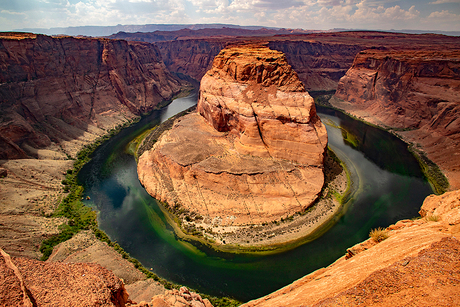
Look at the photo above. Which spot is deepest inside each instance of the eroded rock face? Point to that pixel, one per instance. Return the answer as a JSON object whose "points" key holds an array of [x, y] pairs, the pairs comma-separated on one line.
{"points": [[27, 282], [253, 154], [69, 90], [416, 92]]}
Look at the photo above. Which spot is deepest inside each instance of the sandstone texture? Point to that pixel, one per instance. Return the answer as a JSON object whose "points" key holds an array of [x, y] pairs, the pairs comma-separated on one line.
{"points": [[417, 265], [27, 282], [175, 298], [416, 93], [84, 247], [254, 152]]}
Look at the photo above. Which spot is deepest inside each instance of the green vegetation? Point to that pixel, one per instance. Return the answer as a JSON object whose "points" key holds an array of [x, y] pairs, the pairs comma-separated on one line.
{"points": [[432, 218], [134, 145], [79, 216], [350, 138], [379, 234], [434, 175]]}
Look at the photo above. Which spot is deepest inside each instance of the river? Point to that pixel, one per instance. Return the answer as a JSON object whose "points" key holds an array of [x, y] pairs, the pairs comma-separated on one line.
{"points": [[388, 185]]}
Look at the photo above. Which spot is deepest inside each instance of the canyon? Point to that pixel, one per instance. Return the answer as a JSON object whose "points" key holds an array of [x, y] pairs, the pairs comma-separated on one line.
{"points": [[253, 152], [60, 93]]}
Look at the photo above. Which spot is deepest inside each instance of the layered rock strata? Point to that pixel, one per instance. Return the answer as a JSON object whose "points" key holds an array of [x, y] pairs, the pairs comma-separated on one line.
{"points": [[254, 151], [320, 59], [418, 264], [416, 93], [69, 90]]}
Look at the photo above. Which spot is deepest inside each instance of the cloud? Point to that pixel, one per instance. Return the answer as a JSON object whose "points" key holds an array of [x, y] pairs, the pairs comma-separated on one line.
{"points": [[269, 5], [444, 15], [445, 1]]}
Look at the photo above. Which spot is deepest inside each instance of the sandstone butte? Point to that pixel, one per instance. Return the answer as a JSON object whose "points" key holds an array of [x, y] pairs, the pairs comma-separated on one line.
{"points": [[252, 153]]}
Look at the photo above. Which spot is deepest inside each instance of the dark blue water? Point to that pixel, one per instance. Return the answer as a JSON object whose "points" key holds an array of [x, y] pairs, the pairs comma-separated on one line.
{"points": [[387, 186]]}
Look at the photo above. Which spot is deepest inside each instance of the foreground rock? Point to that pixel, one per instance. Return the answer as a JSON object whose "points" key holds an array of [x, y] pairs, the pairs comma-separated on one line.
{"points": [[253, 154], [416, 93], [176, 298], [419, 264], [27, 282]]}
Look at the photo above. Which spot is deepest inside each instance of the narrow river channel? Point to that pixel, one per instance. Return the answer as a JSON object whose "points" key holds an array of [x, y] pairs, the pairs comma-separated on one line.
{"points": [[388, 185]]}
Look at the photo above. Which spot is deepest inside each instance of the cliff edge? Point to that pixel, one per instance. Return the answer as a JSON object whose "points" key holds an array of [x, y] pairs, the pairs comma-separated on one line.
{"points": [[417, 265]]}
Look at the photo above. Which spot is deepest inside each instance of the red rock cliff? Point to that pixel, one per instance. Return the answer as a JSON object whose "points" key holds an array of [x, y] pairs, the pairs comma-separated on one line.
{"points": [[54, 90], [415, 92]]}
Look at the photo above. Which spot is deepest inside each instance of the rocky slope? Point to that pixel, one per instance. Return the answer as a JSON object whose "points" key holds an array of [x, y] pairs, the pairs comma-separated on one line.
{"points": [[416, 93], [254, 152], [28, 282], [417, 265]]}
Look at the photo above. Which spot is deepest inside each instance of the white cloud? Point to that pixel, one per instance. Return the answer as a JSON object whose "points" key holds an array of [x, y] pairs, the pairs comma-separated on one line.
{"points": [[444, 15], [11, 13], [445, 1], [307, 14]]}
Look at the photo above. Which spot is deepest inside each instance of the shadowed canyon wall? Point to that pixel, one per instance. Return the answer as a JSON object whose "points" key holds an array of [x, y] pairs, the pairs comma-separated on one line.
{"points": [[57, 90], [319, 65]]}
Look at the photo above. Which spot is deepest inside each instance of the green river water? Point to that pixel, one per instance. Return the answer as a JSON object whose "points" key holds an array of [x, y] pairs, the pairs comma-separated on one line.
{"points": [[387, 185]]}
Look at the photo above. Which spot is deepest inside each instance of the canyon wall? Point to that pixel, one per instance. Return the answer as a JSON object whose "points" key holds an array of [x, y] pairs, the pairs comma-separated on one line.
{"points": [[320, 59], [415, 93], [254, 151], [60, 92], [319, 65]]}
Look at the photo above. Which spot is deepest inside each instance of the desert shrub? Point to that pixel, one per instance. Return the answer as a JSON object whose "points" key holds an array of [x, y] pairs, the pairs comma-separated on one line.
{"points": [[432, 218], [378, 234]]}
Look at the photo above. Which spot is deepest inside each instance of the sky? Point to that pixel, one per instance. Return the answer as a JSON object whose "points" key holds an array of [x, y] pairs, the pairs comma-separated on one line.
{"points": [[306, 14]]}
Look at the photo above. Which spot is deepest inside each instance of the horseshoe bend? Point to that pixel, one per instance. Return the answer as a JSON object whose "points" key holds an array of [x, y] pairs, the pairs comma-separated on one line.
{"points": [[251, 154]]}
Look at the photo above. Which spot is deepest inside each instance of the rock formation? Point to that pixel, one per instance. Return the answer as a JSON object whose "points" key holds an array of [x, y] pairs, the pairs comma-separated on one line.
{"points": [[417, 93], [27, 282], [253, 153], [320, 59], [58, 90], [176, 298], [419, 264]]}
